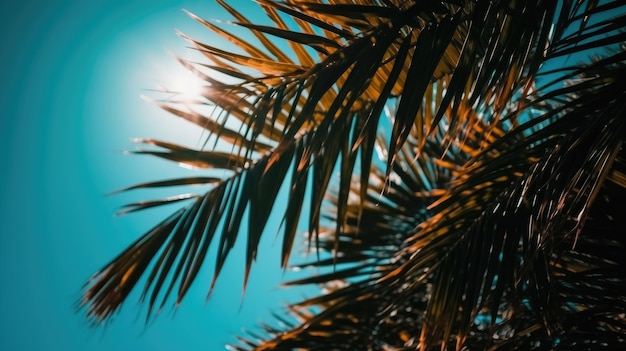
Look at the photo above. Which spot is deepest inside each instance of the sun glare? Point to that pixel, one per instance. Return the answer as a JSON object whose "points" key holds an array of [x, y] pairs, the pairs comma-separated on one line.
{"points": [[166, 80], [175, 80]]}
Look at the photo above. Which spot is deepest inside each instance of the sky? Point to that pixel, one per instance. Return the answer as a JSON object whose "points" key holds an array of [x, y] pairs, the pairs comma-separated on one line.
{"points": [[72, 75]]}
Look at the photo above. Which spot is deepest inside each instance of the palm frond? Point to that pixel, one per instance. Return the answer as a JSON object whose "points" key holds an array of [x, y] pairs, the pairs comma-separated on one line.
{"points": [[511, 236], [361, 254], [312, 113], [474, 223]]}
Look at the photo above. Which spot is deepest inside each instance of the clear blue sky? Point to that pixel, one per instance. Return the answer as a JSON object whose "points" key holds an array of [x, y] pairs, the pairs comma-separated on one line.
{"points": [[72, 72]]}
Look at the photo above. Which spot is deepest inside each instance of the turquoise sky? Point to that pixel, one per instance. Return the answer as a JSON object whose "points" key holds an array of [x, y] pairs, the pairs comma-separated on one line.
{"points": [[72, 72]]}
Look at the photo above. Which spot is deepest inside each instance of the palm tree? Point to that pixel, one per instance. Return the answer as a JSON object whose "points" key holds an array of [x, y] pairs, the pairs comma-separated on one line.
{"points": [[462, 161]]}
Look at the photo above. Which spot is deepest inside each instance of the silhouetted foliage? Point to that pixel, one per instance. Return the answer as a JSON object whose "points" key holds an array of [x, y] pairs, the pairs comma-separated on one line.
{"points": [[467, 155]]}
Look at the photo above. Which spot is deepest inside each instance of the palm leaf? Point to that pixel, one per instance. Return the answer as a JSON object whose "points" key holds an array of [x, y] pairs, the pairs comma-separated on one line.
{"points": [[484, 167], [321, 101], [583, 183]]}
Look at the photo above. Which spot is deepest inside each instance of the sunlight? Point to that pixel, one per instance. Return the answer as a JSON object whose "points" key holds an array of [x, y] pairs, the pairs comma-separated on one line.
{"points": [[164, 80], [175, 80]]}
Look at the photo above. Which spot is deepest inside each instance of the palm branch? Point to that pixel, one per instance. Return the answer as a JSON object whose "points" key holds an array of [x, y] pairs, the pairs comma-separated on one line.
{"points": [[490, 219]]}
